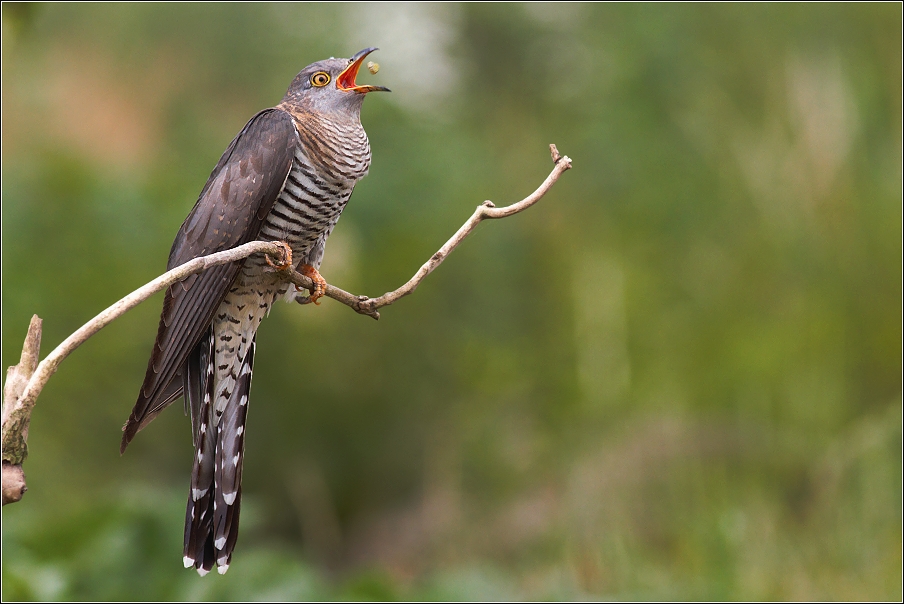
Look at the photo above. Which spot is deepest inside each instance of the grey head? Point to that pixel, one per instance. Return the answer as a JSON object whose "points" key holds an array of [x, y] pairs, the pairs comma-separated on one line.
{"points": [[328, 87]]}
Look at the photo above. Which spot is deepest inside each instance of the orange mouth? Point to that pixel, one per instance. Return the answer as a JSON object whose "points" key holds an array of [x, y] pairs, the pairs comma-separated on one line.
{"points": [[346, 79]]}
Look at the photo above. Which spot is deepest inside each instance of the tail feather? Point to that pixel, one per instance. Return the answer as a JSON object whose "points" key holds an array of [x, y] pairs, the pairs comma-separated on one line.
{"points": [[229, 461], [199, 515], [212, 515]]}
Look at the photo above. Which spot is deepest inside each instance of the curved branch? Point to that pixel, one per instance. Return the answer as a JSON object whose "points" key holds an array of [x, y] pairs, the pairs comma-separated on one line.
{"points": [[26, 380], [369, 306]]}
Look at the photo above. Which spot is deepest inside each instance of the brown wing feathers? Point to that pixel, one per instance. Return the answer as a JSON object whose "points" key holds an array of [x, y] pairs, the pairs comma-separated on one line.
{"points": [[238, 196]]}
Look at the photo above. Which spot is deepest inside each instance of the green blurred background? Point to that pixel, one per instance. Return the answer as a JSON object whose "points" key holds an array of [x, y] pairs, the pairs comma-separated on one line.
{"points": [[678, 376]]}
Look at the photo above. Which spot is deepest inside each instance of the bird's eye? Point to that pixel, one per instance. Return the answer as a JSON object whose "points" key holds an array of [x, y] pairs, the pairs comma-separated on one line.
{"points": [[321, 78]]}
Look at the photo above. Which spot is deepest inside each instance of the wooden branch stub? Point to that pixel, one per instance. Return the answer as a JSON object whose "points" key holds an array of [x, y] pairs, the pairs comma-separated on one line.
{"points": [[14, 486], [16, 415]]}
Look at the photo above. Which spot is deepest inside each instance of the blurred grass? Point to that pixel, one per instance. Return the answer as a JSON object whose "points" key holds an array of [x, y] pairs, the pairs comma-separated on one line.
{"points": [[678, 377]]}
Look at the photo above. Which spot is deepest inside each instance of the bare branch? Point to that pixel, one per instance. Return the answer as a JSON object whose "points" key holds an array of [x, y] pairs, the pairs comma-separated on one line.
{"points": [[369, 306], [26, 380]]}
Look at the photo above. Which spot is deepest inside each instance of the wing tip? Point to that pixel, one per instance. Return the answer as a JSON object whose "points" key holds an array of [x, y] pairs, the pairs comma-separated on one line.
{"points": [[129, 429]]}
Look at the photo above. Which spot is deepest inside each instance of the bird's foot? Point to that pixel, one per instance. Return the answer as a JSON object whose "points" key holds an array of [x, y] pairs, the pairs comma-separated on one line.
{"points": [[319, 284], [284, 261]]}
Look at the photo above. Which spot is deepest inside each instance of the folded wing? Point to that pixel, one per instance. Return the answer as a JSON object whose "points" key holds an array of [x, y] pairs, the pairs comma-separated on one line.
{"points": [[232, 206]]}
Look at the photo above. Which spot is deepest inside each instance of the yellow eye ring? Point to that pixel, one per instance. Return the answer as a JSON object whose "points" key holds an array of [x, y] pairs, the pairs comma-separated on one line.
{"points": [[320, 79]]}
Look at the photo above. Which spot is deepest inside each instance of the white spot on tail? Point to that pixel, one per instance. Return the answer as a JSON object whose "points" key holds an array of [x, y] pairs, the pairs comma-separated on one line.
{"points": [[203, 428], [235, 460], [220, 543], [188, 562], [239, 430], [197, 494], [246, 369], [203, 571], [229, 498], [200, 457], [222, 568], [243, 401]]}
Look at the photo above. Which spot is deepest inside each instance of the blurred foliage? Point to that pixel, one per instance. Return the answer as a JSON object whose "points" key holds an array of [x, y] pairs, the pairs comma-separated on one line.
{"points": [[678, 377]]}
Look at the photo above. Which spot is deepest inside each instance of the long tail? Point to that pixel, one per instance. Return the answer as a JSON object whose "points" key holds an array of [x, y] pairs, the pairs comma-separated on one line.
{"points": [[214, 502]]}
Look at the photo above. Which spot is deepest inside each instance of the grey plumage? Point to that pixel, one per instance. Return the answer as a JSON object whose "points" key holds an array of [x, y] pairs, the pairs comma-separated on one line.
{"points": [[286, 176]]}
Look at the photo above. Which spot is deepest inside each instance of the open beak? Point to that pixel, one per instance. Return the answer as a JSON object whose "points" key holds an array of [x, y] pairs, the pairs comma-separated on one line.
{"points": [[346, 79]]}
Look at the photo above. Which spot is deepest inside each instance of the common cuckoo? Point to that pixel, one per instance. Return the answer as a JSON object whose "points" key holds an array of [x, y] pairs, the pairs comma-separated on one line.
{"points": [[286, 177]]}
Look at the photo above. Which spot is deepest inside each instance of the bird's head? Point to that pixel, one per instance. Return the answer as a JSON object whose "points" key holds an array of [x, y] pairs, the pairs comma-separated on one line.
{"points": [[329, 86]]}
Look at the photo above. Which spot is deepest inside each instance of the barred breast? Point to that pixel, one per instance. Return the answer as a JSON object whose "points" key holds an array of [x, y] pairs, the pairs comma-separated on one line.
{"points": [[330, 159]]}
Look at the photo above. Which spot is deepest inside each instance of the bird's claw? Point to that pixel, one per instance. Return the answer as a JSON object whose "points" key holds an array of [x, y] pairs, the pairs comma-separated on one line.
{"points": [[319, 284], [285, 262]]}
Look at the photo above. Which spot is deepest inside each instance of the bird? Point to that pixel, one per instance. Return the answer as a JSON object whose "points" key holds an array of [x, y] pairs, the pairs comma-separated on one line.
{"points": [[286, 176]]}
